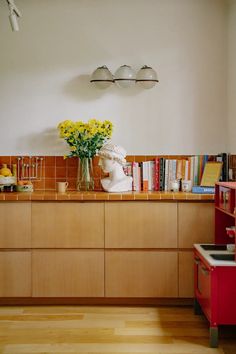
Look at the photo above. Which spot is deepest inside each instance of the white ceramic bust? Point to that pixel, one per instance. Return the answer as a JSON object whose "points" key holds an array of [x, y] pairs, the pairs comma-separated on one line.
{"points": [[112, 159]]}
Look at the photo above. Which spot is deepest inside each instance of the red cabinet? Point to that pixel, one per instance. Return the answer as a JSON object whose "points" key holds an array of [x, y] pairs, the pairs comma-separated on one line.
{"points": [[215, 266]]}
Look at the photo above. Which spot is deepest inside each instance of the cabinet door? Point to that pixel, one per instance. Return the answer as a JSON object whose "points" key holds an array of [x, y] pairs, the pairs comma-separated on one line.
{"points": [[186, 274], [65, 225], [68, 273], [15, 273], [141, 274], [15, 221], [196, 223], [140, 225]]}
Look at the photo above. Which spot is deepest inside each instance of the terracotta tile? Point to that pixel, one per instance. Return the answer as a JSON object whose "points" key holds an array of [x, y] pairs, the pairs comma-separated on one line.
{"points": [[61, 172], [76, 196], [50, 161], [38, 185], [127, 196], [50, 196], [154, 195], [115, 196], [11, 196], [89, 195], [140, 195], [60, 161], [180, 195], [207, 197], [102, 196], [97, 172], [71, 172], [72, 162], [130, 158], [14, 160], [37, 196], [97, 184], [63, 196], [5, 160], [150, 157], [50, 184], [96, 160], [50, 172], [139, 158], [190, 196], [24, 195], [72, 184], [167, 195]]}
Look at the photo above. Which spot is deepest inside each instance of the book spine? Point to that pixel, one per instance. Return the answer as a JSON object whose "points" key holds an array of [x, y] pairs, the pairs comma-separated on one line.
{"points": [[162, 174], [166, 174], [203, 190], [157, 174]]}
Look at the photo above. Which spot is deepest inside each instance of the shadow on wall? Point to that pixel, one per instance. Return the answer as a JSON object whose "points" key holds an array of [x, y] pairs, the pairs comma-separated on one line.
{"points": [[80, 88], [42, 143]]}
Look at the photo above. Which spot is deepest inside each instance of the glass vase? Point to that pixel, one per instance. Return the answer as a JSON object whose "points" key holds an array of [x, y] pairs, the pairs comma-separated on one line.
{"points": [[85, 177]]}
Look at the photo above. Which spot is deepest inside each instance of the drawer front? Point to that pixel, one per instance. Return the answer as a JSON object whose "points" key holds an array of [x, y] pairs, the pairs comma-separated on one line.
{"points": [[15, 221], [68, 273], [140, 225], [196, 223], [15, 273], [67, 225], [141, 274]]}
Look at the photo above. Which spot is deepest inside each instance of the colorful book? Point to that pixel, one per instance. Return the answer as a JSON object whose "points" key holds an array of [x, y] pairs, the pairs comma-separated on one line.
{"points": [[203, 190]]}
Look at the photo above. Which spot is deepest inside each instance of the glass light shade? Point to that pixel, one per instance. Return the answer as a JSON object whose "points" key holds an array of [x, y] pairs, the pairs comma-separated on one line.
{"points": [[102, 77], [146, 77], [125, 76]]}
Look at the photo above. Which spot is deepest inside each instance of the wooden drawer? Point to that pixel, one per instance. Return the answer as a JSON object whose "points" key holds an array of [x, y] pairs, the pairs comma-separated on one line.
{"points": [[66, 225], [140, 225], [196, 223], [141, 274], [68, 273], [186, 274], [15, 273], [15, 221]]}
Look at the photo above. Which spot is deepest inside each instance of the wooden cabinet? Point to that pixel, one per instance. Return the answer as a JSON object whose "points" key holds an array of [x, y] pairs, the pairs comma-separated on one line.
{"points": [[15, 221], [68, 273], [15, 273], [66, 225], [196, 224], [141, 274], [186, 274], [140, 225]]}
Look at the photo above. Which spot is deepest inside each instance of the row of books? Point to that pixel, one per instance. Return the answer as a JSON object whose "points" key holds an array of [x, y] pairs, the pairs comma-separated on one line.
{"points": [[157, 175]]}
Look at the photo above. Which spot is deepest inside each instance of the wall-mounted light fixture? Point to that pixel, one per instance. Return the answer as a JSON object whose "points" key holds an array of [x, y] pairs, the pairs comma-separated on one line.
{"points": [[13, 16], [124, 77], [102, 77]]}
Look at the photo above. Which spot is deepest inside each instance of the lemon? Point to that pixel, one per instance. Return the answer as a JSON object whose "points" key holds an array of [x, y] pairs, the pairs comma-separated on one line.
{"points": [[6, 172]]}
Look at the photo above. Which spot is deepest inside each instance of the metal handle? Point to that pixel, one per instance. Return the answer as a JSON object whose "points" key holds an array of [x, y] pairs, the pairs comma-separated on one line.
{"points": [[196, 260], [205, 271]]}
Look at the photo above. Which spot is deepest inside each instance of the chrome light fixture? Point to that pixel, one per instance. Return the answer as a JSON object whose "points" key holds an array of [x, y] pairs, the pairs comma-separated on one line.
{"points": [[14, 14], [146, 77], [125, 76], [102, 77]]}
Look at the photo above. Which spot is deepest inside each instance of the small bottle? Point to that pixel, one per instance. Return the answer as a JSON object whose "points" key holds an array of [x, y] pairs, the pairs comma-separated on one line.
{"points": [[14, 170]]}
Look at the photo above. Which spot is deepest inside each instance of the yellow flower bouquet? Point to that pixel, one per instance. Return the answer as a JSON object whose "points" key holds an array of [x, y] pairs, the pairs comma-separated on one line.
{"points": [[85, 140]]}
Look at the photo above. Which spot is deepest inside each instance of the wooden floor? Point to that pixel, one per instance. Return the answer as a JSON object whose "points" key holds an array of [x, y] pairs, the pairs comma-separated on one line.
{"points": [[108, 330]]}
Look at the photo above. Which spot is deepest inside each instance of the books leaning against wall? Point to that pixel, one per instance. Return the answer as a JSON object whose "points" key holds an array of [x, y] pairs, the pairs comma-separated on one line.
{"points": [[157, 174]]}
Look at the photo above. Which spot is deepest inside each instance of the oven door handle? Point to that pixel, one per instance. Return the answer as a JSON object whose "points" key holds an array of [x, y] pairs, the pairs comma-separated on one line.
{"points": [[204, 270]]}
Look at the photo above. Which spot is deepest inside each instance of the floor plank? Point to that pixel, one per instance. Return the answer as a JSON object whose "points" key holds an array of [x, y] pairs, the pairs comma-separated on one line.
{"points": [[108, 330]]}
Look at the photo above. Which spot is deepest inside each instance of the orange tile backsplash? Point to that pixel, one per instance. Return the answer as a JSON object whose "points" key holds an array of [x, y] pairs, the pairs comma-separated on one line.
{"points": [[58, 169]]}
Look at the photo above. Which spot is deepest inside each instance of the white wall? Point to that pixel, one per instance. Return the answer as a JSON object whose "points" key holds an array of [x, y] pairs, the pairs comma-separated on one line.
{"points": [[232, 76], [45, 69]]}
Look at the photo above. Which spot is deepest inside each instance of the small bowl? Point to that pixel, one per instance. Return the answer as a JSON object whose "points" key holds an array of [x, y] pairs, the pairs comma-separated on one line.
{"points": [[231, 247]]}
